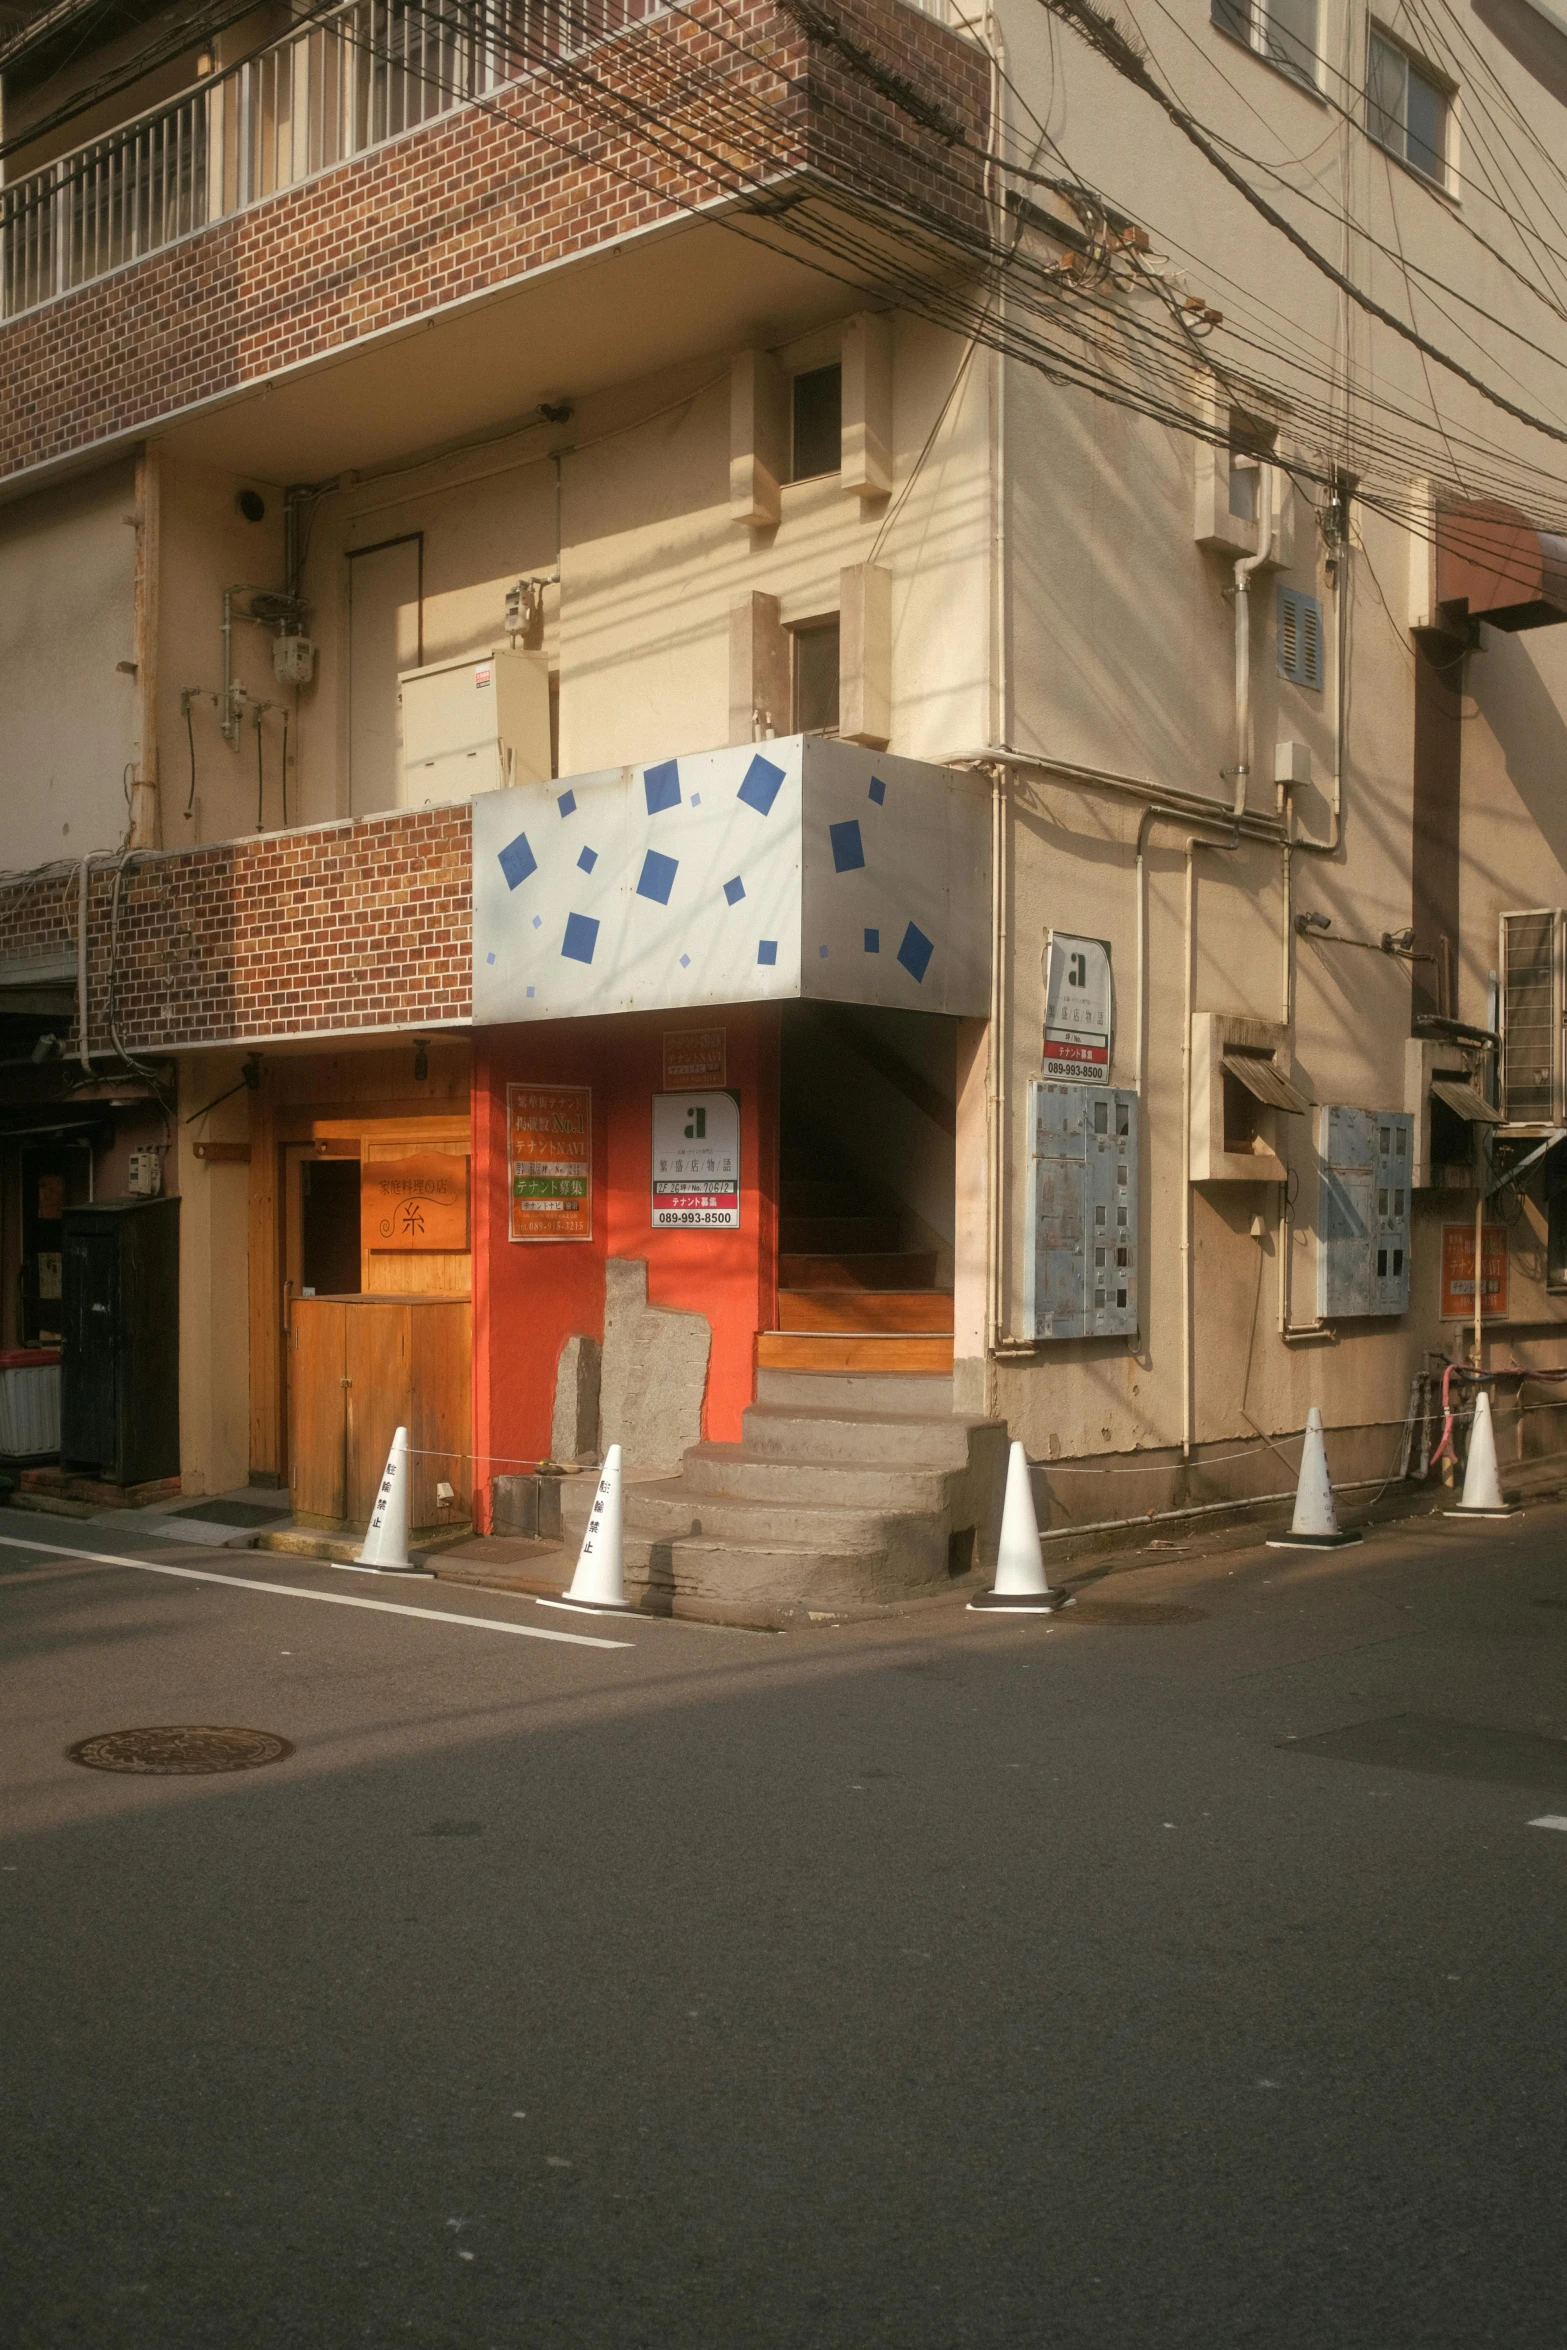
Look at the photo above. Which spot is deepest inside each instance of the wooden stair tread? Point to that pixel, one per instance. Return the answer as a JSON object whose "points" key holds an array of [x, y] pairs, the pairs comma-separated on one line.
{"points": [[867, 1269], [865, 1310], [825, 1350]]}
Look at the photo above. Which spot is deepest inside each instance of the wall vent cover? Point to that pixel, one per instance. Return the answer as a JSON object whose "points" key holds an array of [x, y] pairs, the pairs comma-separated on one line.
{"points": [[1300, 638]]}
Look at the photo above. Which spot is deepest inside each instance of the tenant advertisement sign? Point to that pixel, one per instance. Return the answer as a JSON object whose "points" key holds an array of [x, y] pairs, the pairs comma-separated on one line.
{"points": [[549, 1151], [1079, 1009], [1458, 1273], [696, 1162]]}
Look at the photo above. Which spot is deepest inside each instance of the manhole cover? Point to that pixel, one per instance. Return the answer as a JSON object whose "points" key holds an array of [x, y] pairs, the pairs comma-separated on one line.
{"points": [[1132, 1611], [179, 1748]]}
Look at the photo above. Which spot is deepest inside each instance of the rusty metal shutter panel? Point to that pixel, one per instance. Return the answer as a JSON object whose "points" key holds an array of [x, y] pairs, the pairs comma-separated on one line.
{"points": [[1080, 1237], [1266, 1082], [1365, 1158], [1531, 1016], [1110, 1300], [1466, 1099]]}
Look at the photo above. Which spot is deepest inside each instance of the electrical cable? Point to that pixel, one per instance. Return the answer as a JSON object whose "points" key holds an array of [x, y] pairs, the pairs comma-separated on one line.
{"points": [[190, 736]]}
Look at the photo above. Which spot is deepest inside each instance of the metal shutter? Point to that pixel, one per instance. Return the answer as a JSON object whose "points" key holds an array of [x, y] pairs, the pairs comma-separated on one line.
{"points": [[1300, 638], [1080, 1238], [1365, 1158]]}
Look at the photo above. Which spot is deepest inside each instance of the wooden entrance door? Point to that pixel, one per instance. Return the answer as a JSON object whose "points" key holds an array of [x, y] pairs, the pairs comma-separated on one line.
{"points": [[360, 1368]]}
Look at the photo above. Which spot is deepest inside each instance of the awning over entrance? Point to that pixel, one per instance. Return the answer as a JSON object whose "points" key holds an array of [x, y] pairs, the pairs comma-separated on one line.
{"points": [[800, 867], [1494, 564]]}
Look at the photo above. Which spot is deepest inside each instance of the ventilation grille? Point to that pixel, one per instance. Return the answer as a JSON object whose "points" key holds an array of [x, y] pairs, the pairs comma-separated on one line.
{"points": [[1300, 638]]}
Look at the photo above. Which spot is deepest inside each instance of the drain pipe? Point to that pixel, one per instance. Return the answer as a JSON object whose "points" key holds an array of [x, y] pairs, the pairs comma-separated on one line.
{"points": [[1194, 842], [82, 1054], [994, 1309], [1243, 571]]}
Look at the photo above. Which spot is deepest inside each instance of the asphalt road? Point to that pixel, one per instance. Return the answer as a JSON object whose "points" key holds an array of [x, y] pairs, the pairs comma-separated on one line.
{"points": [[948, 1982]]}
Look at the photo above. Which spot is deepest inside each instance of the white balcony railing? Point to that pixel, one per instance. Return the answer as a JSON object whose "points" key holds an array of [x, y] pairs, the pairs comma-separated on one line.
{"points": [[337, 88]]}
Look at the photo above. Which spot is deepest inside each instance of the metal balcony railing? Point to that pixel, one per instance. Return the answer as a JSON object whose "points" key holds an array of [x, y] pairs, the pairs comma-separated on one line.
{"points": [[335, 89]]}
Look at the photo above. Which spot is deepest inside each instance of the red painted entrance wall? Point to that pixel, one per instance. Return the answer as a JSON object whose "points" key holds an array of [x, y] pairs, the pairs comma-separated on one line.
{"points": [[529, 1297]]}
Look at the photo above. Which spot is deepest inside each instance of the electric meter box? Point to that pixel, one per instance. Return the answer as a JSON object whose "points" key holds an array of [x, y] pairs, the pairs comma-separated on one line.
{"points": [[475, 725], [1080, 1235]]}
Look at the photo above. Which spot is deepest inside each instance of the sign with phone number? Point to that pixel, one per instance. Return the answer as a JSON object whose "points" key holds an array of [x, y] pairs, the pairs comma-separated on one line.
{"points": [[696, 1162]]}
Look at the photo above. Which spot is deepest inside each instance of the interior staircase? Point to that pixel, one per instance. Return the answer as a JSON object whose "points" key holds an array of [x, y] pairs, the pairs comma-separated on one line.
{"points": [[846, 1490], [850, 1296]]}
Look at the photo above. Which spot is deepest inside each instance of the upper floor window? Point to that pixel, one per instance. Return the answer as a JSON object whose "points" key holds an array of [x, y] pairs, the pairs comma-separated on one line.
{"points": [[1283, 31], [1408, 110], [816, 435]]}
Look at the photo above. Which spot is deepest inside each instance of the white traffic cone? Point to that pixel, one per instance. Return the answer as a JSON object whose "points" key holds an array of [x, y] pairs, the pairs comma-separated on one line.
{"points": [[1020, 1586], [385, 1547], [1482, 1479], [599, 1585], [1315, 1524]]}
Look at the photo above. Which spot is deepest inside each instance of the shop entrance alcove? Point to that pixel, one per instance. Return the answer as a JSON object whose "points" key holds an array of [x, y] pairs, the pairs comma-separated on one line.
{"points": [[867, 1167], [361, 1233]]}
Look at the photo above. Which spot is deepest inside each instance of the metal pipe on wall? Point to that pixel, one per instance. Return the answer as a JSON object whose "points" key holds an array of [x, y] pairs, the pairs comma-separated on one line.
{"points": [[144, 811], [1243, 574], [1194, 842], [83, 880]]}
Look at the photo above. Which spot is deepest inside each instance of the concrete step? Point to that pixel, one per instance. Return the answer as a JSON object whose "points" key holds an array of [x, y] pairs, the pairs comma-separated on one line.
{"points": [[671, 1509], [856, 1391], [806, 1437], [827, 1235], [888, 1269], [815, 1350], [863, 1310], [771, 1583], [729, 1470]]}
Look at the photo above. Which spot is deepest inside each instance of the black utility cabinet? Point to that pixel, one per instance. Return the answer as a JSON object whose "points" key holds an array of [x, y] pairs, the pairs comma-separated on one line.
{"points": [[119, 1368]]}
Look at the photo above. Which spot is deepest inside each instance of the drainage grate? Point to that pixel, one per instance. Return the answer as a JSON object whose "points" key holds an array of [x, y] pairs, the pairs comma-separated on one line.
{"points": [[177, 1749], [1133, 1611]]}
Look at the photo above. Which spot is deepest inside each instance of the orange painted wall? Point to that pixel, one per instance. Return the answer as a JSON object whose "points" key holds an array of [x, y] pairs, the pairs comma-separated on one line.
{"points": [[531, 1296]]}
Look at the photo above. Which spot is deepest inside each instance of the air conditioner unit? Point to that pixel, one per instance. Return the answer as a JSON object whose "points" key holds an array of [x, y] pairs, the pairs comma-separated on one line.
{"points": [[1530, 961]]}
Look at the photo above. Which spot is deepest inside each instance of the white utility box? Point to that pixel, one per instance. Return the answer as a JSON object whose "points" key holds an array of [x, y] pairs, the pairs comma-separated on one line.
{"points": [[475, 725]]}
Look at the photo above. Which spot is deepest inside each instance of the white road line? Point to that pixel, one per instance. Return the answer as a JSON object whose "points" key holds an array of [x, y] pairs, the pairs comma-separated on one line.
{"points": [[383, 1607], [1549, 1819]]}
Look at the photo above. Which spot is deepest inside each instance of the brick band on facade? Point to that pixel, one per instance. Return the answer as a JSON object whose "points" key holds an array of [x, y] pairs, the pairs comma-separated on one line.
{"points": [[479, 199], [346, 926]]}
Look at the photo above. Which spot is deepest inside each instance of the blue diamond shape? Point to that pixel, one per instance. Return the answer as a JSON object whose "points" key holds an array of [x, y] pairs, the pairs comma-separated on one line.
{"points": [[734, 890], [696, 799], [848, 850], [760, 787], [767, 950], [489, 958], [878, 790], [588, 859], [685, 962], [582, 936], [530, 991], [538, 921], [822, 951], [567, 803], [915, 952], [662, 786], [517, 860], [873, 942], [657, 878]]}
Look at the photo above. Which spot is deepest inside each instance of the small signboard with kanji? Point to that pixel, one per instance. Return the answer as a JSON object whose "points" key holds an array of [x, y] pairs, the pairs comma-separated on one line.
{"points": [[549, 1151], [1458, 1273]]}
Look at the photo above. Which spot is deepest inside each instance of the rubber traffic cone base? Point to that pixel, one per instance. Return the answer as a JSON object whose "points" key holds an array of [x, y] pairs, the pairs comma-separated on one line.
{"points": [[1477, 1510], [1045, 1603], [358, 1567], [590, 1607], [1339, 1541]]}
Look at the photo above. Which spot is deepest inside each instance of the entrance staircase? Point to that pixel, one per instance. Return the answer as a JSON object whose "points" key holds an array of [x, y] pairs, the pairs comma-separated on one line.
{"points": [[846, 1490], [850, 1297]]}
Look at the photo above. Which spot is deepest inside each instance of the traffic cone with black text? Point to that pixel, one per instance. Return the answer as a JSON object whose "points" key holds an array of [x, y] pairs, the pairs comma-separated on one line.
{"points": [[1482, 1478], [1315, 1524], [1020, 1586], [599, 1585], [385, 1547]]}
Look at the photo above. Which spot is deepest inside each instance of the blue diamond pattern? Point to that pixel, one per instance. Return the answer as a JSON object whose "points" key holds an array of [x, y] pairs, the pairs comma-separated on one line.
{"points": [[588, 859], [582, 936], [915, 952], [760, 788], [767, 950], [662, 786], [848, 850], [567, 803], [873, 942], [517, 860], [878, 790], [734, 890], [657, 878]]}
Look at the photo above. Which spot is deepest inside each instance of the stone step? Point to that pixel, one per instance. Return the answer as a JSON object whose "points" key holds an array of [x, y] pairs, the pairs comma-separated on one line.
{"points": [[857, 1391], [887, 1269], [807, 1350], [864, 1310], [807, 1436], [768, 1583], [827, 1235], [669, 1508], [730, 1470]]}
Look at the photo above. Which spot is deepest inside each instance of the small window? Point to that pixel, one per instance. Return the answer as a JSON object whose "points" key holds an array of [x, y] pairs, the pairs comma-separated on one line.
{"points": [[1300, 639], [1408, 110], [816, 677], [818, 424], [1283, 31]]}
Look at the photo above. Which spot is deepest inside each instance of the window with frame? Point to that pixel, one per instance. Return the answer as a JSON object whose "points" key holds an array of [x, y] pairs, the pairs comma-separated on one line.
{"points": [[1283, 31], [815, 645], [1408, 109]]}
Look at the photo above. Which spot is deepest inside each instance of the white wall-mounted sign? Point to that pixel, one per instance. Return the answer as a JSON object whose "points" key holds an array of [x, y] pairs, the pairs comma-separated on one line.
{"points": [[696, 1162], [1079, 1008]]}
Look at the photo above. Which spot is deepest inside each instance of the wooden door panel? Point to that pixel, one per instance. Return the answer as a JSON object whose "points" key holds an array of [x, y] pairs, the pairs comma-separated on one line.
{"points": [[439, 1414], [317, 1406], [377, 1392]]}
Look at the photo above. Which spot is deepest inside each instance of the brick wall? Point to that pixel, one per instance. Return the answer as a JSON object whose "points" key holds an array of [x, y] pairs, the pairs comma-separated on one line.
{"points": [[474, 201], [362, 925]]}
